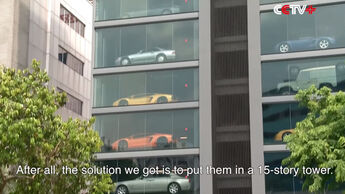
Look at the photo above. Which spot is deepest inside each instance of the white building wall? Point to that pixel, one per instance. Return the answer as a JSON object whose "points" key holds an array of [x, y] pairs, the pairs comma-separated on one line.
{"points": [[47, 32]]}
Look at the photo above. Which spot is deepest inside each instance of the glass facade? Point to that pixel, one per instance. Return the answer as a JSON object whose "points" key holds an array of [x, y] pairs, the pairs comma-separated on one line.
{"points": [[286, 184], [279, 120], [287, 77], [173, 129], [123, 9], [141, 88], [147, 44], [291, 33], [159, 181], [280, 183]]}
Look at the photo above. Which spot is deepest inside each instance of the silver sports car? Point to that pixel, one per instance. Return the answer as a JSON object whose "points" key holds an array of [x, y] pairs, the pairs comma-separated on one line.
{"points": [[162, 183], [154, 55]]}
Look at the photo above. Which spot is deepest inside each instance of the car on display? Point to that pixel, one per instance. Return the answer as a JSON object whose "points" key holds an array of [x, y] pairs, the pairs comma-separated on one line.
{"points": [[158, 183], [155, 140], [145, 98], [318, 76], [154, 55], [282, 134], [149, 12], [305, 43]]}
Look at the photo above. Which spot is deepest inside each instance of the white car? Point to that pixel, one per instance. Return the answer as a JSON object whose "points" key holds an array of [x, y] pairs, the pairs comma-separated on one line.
{"points": [[318, 76]]}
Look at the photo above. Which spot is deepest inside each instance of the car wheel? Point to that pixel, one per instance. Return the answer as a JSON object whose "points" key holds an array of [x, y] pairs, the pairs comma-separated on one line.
{"points": [[174, 188], [122, 190], [162, 142], [123, 103], [284, 48], [123, 145], [166, 11], [161, 58], [162, 99], [324, 43], [125, 61], [285, 134], [285, 91]]}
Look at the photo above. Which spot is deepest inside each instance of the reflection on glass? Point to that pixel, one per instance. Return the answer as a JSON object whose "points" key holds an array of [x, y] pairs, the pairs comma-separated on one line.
{"points": [[280, 183], [147, 44], [149, 130], [287, 184], [279, 121], [158, 181], [146, 88], [122, 9], [292, 33], [287, 77]]}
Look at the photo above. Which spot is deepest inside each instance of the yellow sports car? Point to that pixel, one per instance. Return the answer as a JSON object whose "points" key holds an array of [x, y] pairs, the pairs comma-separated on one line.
{"points": [[280, 136], [144, 99]]}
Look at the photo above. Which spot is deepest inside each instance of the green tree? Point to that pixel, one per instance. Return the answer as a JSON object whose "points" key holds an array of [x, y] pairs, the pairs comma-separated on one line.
{"points": [[318, 140], [32, 134]]}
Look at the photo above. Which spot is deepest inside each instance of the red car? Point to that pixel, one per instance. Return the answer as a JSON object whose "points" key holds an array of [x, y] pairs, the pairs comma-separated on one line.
{"points": [[143, 141]]}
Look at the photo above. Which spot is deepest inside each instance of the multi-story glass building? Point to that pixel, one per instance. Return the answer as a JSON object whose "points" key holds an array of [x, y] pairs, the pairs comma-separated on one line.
{"points": [[191, 83]]}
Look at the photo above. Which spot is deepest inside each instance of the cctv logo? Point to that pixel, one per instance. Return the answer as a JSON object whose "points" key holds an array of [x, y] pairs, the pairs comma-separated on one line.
{"points": [[279, 9]]}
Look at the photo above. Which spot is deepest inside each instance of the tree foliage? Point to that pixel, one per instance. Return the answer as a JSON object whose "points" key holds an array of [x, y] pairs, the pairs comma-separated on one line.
{"points": [[32, 134], [318, 140]]}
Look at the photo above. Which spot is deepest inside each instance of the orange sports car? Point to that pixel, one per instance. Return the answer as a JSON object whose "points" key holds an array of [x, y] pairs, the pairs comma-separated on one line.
{"points": [[146, 98], [143, 141], [280, 136]]}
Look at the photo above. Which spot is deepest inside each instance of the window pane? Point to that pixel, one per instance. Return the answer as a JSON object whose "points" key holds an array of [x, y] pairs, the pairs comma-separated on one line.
{"points": [[287, 184], [120, 9], [71, 61], [280, 183], [149, 130], [147, 44], [279, 120], [62, 13], [73, 103], [156, 183], [292, 33], [82, 30], [287, 77], [146, 88]]}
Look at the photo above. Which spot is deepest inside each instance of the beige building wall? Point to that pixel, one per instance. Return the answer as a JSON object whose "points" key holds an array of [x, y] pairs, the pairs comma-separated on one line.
{"points": [[32, 29]]}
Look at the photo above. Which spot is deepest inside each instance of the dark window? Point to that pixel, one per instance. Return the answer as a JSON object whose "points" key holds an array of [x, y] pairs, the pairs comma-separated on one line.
{"points": [[73, 103], [72, 21], [71, 61]]}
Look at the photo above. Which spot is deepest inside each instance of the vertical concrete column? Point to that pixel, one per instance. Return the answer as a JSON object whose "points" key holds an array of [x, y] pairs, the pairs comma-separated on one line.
{"points": [[206, 181], [255, 105]]}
